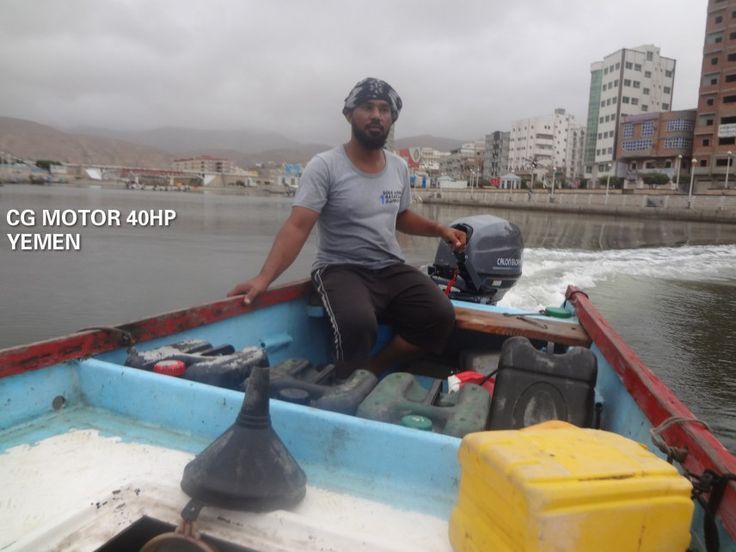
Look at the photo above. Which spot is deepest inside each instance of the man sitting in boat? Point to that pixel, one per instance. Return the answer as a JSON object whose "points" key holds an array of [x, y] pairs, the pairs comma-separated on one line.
{"points": [[359, 195]]}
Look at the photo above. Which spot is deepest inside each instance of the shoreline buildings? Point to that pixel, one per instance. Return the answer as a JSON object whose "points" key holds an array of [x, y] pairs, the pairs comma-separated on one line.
{"points": [[626, 82], [715, 128], [547, 144]]}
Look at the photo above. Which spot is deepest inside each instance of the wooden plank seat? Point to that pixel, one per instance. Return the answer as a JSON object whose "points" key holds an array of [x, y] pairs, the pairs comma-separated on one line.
{"points": [[533, 327]]}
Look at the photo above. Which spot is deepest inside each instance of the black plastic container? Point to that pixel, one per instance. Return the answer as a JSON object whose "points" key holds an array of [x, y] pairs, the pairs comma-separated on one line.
{"points": [[320, 384], [221, 366], [534, 386]]}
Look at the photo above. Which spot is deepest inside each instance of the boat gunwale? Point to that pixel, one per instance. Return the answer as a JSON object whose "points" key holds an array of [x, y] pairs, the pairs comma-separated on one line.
{"points": [[659, 404], [85, 343]]}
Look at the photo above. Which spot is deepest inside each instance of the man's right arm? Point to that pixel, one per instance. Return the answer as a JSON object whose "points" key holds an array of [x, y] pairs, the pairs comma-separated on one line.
{"points": [[286, 246]]}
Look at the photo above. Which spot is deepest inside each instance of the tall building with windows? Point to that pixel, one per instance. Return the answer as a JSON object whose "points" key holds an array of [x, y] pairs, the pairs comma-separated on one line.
{"points": [[541, 143], [626, 82], [496, 155], [715, 126]]}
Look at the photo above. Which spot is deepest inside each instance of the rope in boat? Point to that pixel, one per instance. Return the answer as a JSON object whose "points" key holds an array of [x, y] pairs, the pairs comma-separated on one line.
{"points": [[708, 483]]}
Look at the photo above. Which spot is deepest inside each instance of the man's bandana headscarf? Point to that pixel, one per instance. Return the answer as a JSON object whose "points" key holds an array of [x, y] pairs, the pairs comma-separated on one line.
{"points": [[373, 89]]}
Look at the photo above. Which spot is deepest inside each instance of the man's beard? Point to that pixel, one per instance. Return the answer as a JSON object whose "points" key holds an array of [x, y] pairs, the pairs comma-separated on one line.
{"points": [[370, 141]]}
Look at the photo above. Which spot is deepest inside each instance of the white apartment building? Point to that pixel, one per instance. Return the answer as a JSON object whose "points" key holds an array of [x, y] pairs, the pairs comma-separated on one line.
{"points": [[545, 143], [626, 82]]}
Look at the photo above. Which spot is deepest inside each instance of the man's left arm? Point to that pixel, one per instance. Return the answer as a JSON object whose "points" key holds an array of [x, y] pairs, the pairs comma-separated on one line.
{"points": [[410, 222]]}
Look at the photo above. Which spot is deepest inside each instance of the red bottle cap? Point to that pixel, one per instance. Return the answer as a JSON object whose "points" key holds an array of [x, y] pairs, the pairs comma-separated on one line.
{"points": [[174, 368]]}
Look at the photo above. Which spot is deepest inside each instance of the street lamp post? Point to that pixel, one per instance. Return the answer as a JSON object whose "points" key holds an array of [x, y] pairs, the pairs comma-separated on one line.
{"points": [[693, 161], [554, 171], [679, 168], [728, 166], [608, 183]]}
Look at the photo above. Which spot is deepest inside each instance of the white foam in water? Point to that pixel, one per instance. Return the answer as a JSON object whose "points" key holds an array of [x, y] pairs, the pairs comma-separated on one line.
{"points": [[546, 273]]}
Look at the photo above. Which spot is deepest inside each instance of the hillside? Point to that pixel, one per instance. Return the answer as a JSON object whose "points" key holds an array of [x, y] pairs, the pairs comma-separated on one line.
{"points": [[157, 149], [183, 140], [27, 139]]}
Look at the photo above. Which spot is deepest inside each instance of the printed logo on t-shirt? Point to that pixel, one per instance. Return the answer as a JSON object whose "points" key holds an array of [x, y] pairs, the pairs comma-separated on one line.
{"points": [[390, 196]]}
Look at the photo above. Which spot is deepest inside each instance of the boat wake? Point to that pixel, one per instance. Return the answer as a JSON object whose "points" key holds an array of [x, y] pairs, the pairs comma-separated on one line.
{"points": [[547, 272]]}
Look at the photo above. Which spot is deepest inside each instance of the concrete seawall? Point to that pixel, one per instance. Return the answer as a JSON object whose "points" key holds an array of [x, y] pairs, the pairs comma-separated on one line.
{"points": [[709, 207]]}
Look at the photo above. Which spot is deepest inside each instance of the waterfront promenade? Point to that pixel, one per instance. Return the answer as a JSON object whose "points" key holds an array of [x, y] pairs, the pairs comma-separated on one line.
{"points": [[711, 206]]}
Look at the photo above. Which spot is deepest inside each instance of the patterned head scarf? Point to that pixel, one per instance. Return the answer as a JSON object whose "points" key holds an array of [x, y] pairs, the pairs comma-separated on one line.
{"points": [[373, 89]]}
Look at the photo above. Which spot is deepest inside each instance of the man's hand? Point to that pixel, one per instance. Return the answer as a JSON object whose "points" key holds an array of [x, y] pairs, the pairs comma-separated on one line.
{"points": [[454, 237], [251, 289]]}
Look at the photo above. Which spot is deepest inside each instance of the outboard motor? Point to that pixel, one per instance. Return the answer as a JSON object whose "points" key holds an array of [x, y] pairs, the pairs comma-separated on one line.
{"points": [[490, 265]]}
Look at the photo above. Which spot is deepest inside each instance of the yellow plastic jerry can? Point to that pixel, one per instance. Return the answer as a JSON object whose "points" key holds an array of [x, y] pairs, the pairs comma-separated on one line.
{"points": [[557, 487]]}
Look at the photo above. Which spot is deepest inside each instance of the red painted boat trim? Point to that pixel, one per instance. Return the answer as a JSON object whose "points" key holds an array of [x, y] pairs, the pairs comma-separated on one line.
{"points": [[659, 403], [16, 360]]}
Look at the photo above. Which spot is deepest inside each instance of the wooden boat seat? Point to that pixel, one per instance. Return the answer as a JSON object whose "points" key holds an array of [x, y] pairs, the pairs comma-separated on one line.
{"points": [[543, 329]]}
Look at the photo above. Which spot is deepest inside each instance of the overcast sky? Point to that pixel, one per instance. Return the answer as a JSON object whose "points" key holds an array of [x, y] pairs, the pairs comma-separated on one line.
{"points": [[463, 68]]}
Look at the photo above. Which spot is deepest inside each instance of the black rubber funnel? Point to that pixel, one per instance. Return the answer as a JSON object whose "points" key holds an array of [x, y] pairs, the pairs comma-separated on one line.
{"points": [[247, 467]]}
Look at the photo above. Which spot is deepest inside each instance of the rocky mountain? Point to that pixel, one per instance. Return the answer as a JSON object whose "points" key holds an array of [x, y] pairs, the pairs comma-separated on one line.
{"points": [[27, 139], [153, 148], [183, 140]]}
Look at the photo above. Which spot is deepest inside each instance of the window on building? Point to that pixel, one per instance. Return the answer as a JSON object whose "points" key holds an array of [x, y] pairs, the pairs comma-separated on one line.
{"points": [[680, 125], [714, 61], [624, 99], [703, 162], [603, 103], [706, 141], [618, 65], [731, 57], [636, 145], [718, 39], [668, 73], [636, 84], [667, 90], [614, 99], [645, 91], [608, 118], [648, 74], [628, 130], [600, 135], [714, 81], [719, 19], [665, 107], [647, 128], [637, 67], [610, 150], [730, 78], [634, 101], [627, 82], [608, 101], [601, 120], [650, 56], [644, 107], [628, 65], [727, 141], [732, 36], [729, 99], [733, 15], [605, 70], [709, 122]]}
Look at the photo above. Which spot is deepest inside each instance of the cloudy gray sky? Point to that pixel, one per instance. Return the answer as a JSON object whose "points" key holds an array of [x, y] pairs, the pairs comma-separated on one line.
{"points": [[463, 68]]}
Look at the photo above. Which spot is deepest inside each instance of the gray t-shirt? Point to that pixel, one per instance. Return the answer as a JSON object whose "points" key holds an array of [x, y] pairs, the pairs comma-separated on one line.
{"points": [[357, 222]]}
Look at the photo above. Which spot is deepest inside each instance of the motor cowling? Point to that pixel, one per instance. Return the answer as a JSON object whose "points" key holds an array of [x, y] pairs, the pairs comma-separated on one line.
{"points": [[490, 265]]}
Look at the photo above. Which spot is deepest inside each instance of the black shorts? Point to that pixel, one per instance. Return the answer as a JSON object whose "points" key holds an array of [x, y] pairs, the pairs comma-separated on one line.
{"points": [[357, 299]]}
